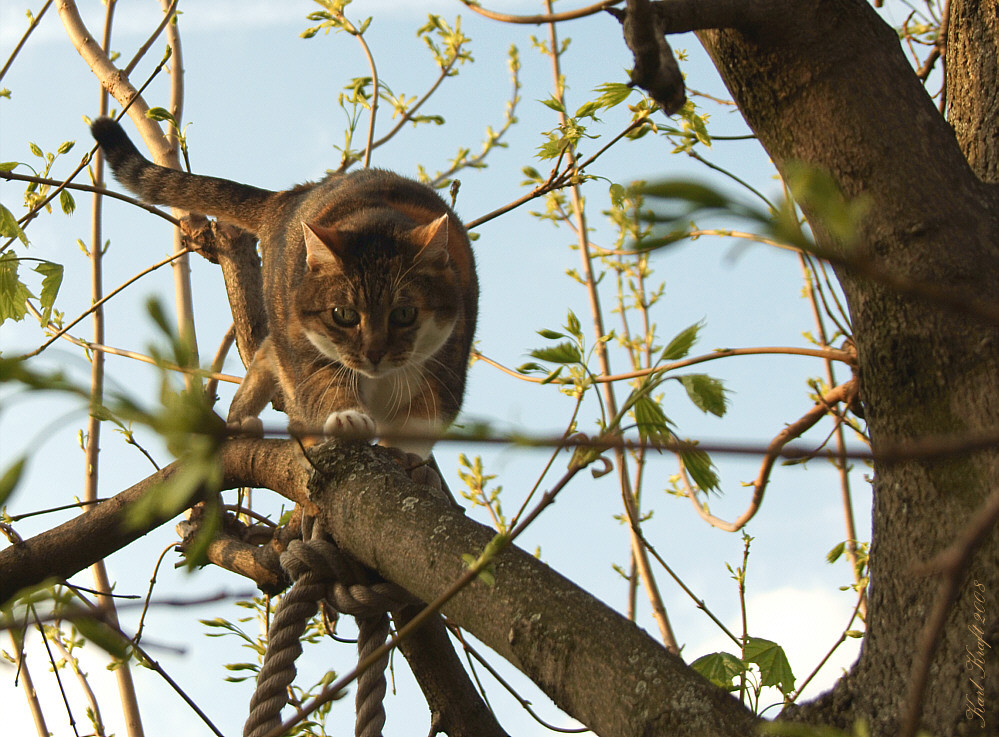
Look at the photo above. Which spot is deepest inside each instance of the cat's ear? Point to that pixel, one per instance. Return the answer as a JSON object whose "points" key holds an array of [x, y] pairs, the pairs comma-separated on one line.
{"points": [[322, 245], [431, 239]]}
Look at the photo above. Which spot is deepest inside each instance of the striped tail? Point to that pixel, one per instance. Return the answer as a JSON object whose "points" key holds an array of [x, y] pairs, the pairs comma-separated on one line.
{"points": [[237, 203]]}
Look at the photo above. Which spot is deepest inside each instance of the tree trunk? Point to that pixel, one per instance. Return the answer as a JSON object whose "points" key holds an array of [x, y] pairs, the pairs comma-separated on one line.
{"points": [[825, 82]]}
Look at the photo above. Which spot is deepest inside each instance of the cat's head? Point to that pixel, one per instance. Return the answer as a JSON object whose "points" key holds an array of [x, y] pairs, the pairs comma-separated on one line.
{"points": [[378, 300]]}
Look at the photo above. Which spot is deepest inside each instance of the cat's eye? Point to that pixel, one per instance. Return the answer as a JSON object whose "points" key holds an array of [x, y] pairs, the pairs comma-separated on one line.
{"points": [[403, 317], [345, 317]]}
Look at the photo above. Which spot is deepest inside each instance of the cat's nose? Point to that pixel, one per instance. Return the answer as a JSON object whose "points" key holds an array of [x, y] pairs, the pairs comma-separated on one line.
{"points": [[375, 355]]}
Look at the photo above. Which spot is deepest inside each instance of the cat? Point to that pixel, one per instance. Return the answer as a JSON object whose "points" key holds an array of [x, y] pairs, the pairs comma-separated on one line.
{"points": [[370, 290]]}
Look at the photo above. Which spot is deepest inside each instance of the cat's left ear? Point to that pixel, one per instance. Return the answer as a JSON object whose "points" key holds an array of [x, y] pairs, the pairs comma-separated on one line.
{"points": [[321, 245], [432, 240]]}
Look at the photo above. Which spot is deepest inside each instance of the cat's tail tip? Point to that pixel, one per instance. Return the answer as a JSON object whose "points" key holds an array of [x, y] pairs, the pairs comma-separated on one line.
{"points": [[115, 143]]}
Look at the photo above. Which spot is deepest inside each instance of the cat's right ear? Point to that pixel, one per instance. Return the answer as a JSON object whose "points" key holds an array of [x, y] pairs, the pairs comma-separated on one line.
{"points": [[321, 245]]}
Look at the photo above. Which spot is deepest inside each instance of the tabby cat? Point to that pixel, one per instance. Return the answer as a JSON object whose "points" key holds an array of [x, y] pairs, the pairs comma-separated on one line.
{"points": [[370, 289]]}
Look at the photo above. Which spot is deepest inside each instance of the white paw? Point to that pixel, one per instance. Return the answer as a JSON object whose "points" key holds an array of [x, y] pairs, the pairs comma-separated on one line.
{"points": [[247, 427], [349, 423]]}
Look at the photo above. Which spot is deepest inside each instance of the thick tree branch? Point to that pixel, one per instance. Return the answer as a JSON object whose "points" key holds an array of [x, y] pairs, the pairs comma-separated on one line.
{"points": [[456, 708], [550, 629], [235, 251], [656, 70], [105, 528]]}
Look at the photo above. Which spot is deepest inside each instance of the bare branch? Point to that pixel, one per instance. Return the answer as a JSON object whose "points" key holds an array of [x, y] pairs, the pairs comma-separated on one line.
{"points": [[543, 18], [106, 527], [841, 393]]}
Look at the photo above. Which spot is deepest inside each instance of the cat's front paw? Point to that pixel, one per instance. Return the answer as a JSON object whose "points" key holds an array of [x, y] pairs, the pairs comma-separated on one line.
{"points": [[349, 423], [246, 427]]}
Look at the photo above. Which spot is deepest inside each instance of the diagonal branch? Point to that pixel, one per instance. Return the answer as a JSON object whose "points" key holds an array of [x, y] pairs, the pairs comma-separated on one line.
{"points": [[543, 624], [842, 393], [107, 527]]}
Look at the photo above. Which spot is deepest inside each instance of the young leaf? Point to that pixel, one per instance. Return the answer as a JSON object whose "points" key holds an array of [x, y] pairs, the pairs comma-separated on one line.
{"points": [[562, 353], [706, 392], [66, 202], [525, 368], [550, 334], [701, 469], [681, 344], [159, 113], [13, 293], [8, 482], [51, 281], [720, 668], [833, 555], [9, 227], [107, 639], [554, 104], [613, 93], [573, 326], [651, 422], [775, 670]]}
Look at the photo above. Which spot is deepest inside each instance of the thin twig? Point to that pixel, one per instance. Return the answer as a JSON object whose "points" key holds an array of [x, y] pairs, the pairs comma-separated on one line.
{"points": [[832, 354], [841, 393], [64, 184], [99, 302], [28, 31], [548, 17]]}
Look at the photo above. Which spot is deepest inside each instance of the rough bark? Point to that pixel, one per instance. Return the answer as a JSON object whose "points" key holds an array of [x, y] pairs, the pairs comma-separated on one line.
{"points": [[65, 550], [593, 663], [972, 63], [825, 82]]}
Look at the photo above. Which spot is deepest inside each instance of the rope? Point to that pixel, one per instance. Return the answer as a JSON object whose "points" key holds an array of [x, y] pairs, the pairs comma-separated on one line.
{"points": [[321, 571]]}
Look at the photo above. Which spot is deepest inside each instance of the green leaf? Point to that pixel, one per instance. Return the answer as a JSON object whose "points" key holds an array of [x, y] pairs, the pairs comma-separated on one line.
{"points": [[159, 113], [13, 292], [34, 148], [588, 109], [51, 281], [775, 670], [617, 193], [572, 325], [562, 353], [692, 192], [700, 468], [550, 334], [833, 555], [66, 202], [720, 668], [681, 344], [9, 227], [66, 146], [10, 479], [553, 375], [107, 639], [9, 165], [706, 392], [612, 93], [554, 104], [651, 422]]}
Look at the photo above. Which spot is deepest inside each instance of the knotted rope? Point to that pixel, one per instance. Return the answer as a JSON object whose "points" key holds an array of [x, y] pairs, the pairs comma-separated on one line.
{"points": [[321, 571]]}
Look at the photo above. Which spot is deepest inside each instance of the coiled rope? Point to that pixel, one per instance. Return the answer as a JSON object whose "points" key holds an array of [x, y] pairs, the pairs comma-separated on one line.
{"points": [[320, 571]]}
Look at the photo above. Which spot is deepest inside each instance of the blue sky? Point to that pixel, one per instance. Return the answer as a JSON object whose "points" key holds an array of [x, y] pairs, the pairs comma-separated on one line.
{"points": [[262, 107]]}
